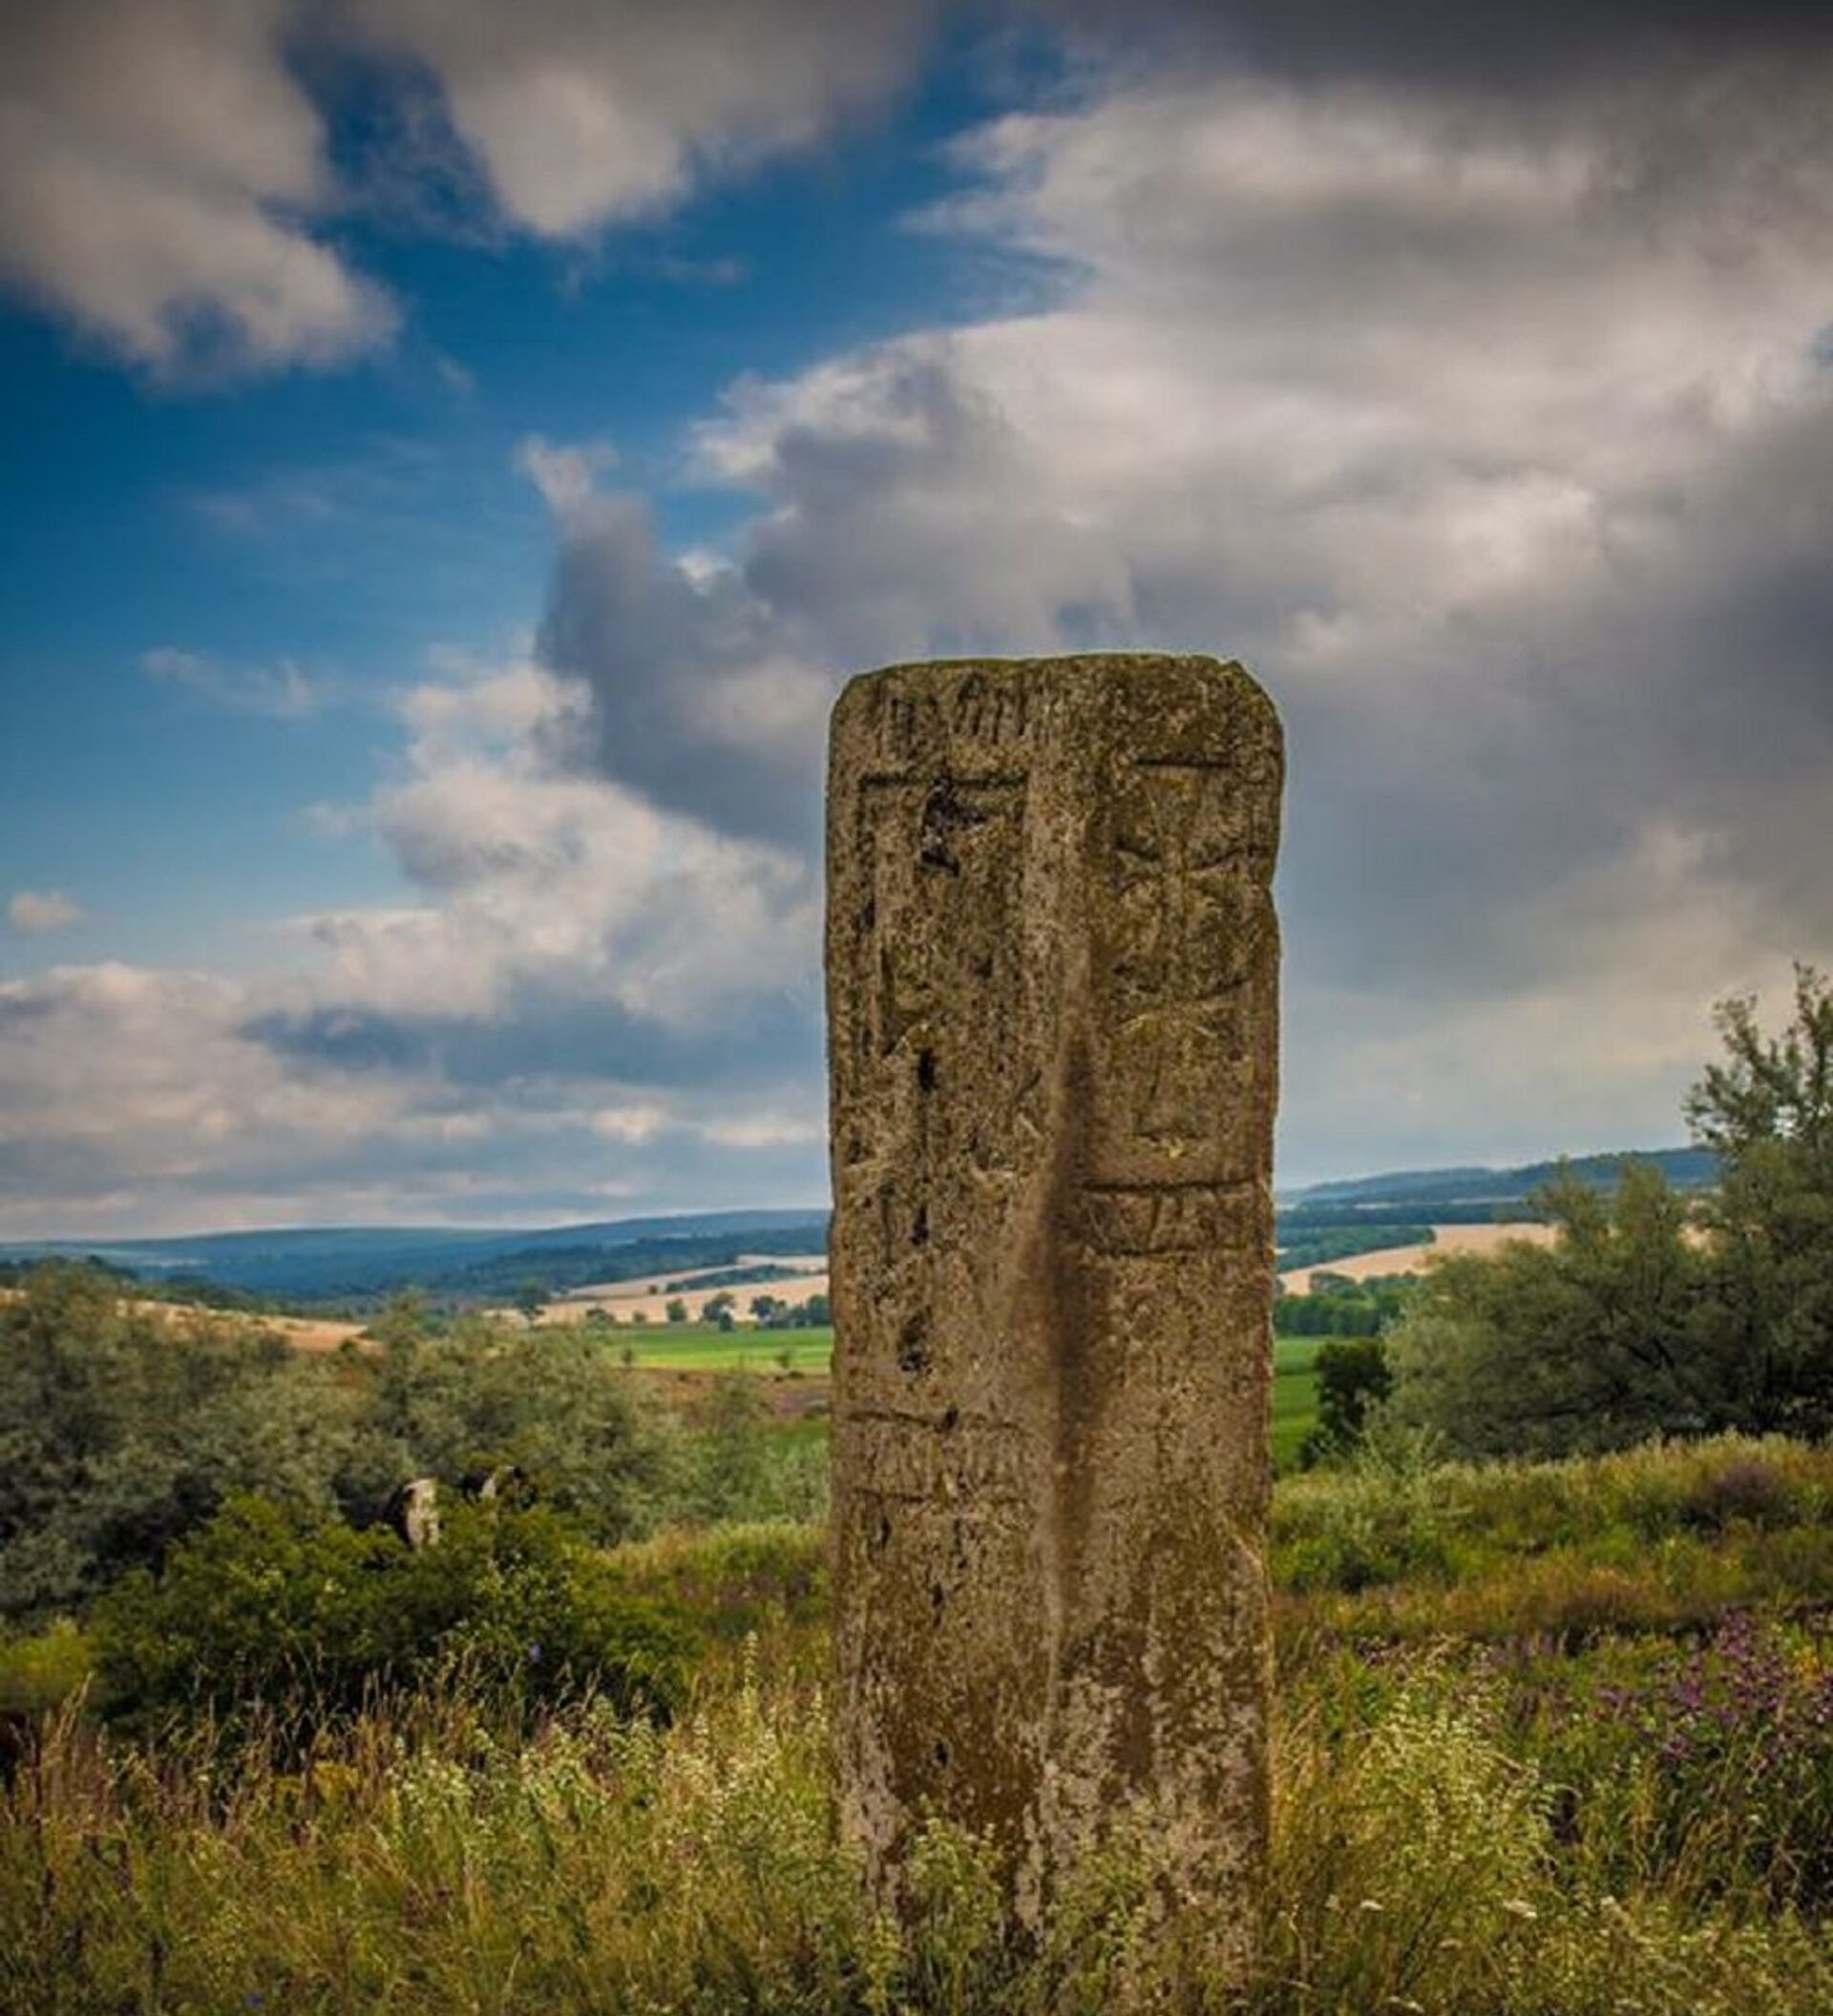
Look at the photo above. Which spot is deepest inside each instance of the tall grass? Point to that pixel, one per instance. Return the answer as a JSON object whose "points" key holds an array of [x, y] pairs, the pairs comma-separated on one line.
{"points": [[425, 1862], [1553, 1740]]}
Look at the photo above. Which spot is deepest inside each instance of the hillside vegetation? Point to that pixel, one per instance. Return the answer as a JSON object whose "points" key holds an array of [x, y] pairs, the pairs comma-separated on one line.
{"points": [[1552, 1738], [1653, 1312]]}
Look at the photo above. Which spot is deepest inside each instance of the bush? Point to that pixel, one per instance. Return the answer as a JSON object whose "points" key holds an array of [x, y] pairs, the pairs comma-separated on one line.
{"points": [[42, 1670], [284, 1607], [1384, 1519], [1353, 1378]]}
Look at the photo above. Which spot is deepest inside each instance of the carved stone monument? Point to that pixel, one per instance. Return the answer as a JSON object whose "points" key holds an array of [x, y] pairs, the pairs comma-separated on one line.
{"points": [[1052, 969]]}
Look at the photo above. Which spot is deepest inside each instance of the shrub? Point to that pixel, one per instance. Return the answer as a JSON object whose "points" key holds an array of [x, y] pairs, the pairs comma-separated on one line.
{"points": [[44, 1670], [1353, 1377], [1384, 1518], [273, 1605], [1747, 1490]]}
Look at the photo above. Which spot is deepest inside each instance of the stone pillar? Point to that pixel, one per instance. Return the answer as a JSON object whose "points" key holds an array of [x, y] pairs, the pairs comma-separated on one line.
{"points": [[1052, 966]]}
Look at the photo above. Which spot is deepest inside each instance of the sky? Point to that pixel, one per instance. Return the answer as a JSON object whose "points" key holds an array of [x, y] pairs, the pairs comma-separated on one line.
{"points": [[454, 454]]}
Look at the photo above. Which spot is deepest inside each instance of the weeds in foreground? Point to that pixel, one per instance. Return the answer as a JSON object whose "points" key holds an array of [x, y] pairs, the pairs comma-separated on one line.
{"points": [[1567, 1750], [428, 1861]]}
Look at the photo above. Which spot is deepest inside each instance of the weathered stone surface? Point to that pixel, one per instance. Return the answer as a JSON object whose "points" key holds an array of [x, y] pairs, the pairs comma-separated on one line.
{"points": [[1052, 997]]}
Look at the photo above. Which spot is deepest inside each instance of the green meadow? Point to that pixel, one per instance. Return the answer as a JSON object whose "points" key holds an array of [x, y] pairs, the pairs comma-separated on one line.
{"points": [[703, 1347]]}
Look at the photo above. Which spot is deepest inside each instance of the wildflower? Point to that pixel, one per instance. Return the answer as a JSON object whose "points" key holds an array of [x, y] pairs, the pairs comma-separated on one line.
{"points": [[1371, 1904], [1519, 1907]]}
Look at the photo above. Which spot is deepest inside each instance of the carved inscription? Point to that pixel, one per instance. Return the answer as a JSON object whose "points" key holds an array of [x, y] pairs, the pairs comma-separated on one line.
{"points": [[973, 1465], [994, 713], [1170, 1218], [1186, 932], [940, 850]]}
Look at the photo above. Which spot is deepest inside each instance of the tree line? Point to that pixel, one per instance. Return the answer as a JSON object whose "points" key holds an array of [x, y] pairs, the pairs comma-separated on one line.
{"points": [[1654, 1312], [124, 1428]]}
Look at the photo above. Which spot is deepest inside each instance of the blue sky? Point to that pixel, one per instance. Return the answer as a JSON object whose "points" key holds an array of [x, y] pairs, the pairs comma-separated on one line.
{"points": [[349, 522], [451, 471]]}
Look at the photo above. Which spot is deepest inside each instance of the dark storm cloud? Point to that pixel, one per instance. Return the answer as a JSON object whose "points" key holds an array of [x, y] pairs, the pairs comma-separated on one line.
{"points": [[570, 1043], [1438, 43], [701, 698]]}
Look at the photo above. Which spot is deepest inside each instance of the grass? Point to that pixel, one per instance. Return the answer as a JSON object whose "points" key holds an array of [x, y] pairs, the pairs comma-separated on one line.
{"points": [[1294, 1398], [703, 1347], [1551, 1740]]}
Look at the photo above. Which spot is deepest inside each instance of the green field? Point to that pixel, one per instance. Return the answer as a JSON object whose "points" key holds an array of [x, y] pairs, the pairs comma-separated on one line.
{"points": [[701, 1347], [1294, 1398], [704, 1346]]}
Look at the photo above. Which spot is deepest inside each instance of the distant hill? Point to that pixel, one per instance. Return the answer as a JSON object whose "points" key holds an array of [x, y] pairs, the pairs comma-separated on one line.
{"points": [[1476, 1192], [361, 1264]]}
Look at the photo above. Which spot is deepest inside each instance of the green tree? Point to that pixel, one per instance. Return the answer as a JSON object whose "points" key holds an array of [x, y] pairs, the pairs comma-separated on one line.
{"points": [[549, 1400], [531, 1298], [120, 1430], [732, 1451], [1353, 1378], [1650, 1315], [1767, 1109], [1598, 1340], [675, 1308]]}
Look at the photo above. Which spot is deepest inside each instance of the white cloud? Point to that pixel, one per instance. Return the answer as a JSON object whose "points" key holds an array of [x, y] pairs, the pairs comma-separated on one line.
{"points": [[567, 475], [1497, 439], [118, 1083], [766, 1130], [43, 910], [584, 114], [283, 691], [587, 998], [164, 180], [548, 877], [159, 173]]}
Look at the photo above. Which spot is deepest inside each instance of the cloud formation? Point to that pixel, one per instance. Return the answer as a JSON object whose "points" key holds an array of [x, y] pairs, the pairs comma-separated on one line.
{"points": [[1478, 390], [282, 692], [592, 1000], [160, 173], [166, 179], [584, 114], [1497, 439], [43, 910]]}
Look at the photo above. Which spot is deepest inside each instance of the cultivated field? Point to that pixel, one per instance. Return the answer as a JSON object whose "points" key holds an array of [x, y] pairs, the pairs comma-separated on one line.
{"points": [[302, 1333], [648, 1295], [1410, 1259]]}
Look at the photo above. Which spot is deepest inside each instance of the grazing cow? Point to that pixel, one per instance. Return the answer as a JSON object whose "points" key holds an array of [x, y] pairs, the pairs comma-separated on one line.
{"points": [[412, 1510]]}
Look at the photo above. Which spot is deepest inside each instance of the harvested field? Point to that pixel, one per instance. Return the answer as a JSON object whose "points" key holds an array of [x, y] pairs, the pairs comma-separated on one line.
{"points": [[648, 1295], [303, 1332], [1410, 1259]]}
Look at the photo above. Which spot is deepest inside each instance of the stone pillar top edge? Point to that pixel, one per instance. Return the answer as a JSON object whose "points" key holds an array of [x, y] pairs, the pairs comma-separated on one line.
{"points": [[995, 664], [1066, 668]]}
